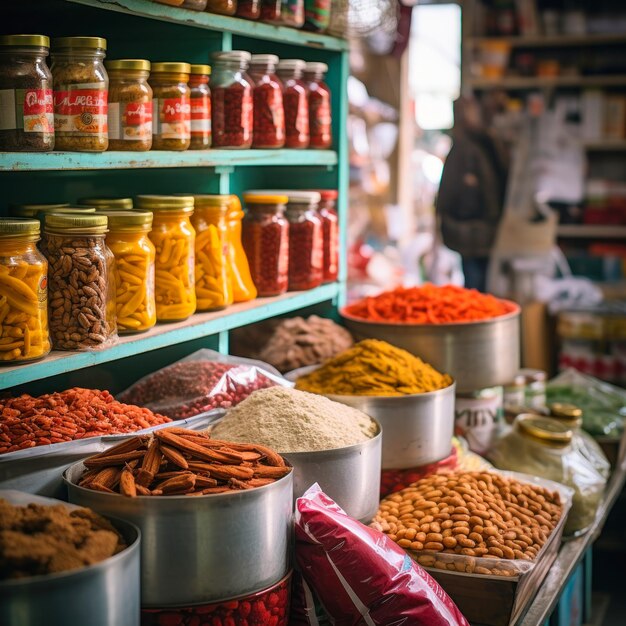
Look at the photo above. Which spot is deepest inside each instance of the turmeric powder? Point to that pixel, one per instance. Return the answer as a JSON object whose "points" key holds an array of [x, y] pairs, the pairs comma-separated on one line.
{"points": [[374, 368]]}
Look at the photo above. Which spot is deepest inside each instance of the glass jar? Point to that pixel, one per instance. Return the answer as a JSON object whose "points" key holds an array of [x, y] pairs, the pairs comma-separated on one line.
{"points": [[515, 392], [241, 278], [213, 281], [81, 300], [317, 15], [23, 294], [130, 105], [27, 111], [232, 108], [266, 242], [285, 13], [478, 416], [223, 7], [320, 121], [535, 387], [81, 85], [269, 117], [120, 204], [174, 238], [134, 255], [295, 102], [305, 240], [249, 9], [171, 127], [330, 231], [270, 10], [200, 107], [194, 5]]}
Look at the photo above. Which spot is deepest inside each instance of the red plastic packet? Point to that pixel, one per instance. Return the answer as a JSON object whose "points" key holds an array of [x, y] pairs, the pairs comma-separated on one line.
{"points": [[361, 577]]}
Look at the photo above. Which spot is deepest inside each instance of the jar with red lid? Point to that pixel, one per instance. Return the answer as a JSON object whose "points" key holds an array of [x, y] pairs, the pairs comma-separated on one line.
{"points": [[295, 103], [305, 240], [200, 107], [319, 105], [269, 117], [231, 95], [266, 241], [330, 233], [249, 9]]}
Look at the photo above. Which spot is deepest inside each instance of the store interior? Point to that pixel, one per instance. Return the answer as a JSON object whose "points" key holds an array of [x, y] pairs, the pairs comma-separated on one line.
{"points": [[312, 312]]}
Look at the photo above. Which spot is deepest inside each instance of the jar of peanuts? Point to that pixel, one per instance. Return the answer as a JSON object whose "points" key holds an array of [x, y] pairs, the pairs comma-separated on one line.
{"points": [[249, 9], [134, 255], [231, 115], [295, 101], [240, 276], [120, 204], [223, 7], [266, 241], [320, 120], [305, 240], [171, 128], [200, 107], [330, 233], [23, 292], [130, 105], [269, 117], [174, 238]]}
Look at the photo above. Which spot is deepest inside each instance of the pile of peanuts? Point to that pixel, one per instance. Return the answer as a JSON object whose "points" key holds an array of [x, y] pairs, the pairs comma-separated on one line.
{"points": [[450, 519]]}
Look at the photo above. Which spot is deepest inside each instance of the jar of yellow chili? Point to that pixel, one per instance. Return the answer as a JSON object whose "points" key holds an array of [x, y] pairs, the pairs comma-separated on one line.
{"points": [[213, 282], [173, 237], [241, 278], [23, 292], [134, 255]]}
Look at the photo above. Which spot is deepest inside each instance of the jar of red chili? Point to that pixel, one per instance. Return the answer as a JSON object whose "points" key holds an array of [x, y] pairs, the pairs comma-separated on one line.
{"points": [[305, 240], [270, 10], [269, 117], [319, 105], [266, 241], [200, 107], [295, 103], [231, 115], [330, 233], [250, 9]]}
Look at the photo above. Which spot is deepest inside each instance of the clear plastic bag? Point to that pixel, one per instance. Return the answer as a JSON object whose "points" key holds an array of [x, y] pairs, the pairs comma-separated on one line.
{"points": [[202, 381]]}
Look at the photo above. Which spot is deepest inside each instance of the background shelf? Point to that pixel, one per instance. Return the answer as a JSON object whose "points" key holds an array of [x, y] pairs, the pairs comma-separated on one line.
{"points": [[591, 231], [554, 41], [539, 82]]}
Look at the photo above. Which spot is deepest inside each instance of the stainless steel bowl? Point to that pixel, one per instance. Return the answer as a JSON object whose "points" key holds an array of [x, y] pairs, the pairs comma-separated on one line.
{"points": [[478, 354], [203, 549]]}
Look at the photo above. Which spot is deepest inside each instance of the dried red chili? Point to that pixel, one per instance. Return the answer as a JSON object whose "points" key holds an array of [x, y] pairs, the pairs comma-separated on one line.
{"points": [[319, 106], [295, 103], [330, 233], [249, 9], [200, 107], [269, 117]]}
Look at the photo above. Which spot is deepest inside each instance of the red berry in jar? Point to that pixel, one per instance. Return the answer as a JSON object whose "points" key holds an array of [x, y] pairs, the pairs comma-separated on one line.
{"points": [[320, 120], [295, 103], [269, 117]]}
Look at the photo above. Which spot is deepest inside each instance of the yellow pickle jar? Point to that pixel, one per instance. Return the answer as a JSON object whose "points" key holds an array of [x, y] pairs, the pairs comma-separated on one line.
{"points": [[134, 269], [23, 292], [239, 268], [118, 204], [213, 283], [173, 237]]}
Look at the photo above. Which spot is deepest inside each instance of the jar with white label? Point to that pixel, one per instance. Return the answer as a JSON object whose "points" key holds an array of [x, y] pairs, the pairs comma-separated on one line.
{"points": [[26, 105], [200, 107], [515, 391], [478, 416], [81, 89], [130, 105], [535, 387], [171, 106]]}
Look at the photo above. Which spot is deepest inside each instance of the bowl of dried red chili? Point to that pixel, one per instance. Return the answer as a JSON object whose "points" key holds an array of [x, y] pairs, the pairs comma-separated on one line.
{"points": [[473, 336]]}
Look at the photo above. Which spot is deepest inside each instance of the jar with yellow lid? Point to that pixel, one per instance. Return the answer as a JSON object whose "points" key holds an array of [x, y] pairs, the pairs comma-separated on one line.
{"points": [[118, 204], [35, 210], [200, 107], [171, 106], [23, 292], [130, 105], [134, 255], [213, 282], [241, 278], [81, 297], [174, 238]]}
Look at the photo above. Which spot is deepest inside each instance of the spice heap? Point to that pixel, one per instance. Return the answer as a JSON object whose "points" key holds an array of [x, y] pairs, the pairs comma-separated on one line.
{"points": [[429, 304], [28, 421], [36, 539], [474, 514], [295, 421], [176, 461], [374, 368]]}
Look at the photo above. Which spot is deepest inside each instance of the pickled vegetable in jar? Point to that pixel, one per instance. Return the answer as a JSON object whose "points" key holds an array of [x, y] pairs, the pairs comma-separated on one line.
{"points": [[270, 10], [305, 240], [232, 108], [23, 292], [320, 121], [240, 276], [266, 241], [213, 276], [171, 107], [81, 86], [330, 232], [200, 107], [130, 105], [269, 117], [134, 255], [295, 103], [173, 237], [285, 13], [120, 204], [317, 15], [223, 7], [249, 9]]}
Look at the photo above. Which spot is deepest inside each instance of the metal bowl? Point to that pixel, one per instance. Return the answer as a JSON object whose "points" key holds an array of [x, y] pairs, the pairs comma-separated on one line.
{"points": [[478, 354], [203, 549]]}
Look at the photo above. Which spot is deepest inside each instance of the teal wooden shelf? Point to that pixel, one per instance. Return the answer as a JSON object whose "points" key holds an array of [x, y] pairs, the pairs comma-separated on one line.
{"points": [[220, 23], [163, 335], [51, 161]]}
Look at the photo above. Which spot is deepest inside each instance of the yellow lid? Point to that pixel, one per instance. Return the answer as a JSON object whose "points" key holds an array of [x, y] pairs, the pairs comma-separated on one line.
{"points": [[31, 210], [128, 64], [125, 204], [544, 429], [261, 197], [202, 201], [165, 203], [63, 221], [171, 66], [38, 41], [565, 411], [16, 226], [204, 70], [126, 219], [80, 42]]}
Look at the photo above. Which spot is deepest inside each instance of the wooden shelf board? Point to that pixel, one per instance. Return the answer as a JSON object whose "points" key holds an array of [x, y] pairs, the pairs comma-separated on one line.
{"points": [[591, 231], [545, 82], [550, 41]]}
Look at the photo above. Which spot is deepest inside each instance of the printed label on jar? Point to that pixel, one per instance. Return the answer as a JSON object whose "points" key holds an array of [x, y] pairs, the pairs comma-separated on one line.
{"points": [[201, 116], [30, 110], [476, 419], [131, 121], [81, 111], [172, 119]]}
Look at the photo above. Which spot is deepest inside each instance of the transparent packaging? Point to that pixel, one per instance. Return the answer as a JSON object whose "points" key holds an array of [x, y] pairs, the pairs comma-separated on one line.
{"points": [[317, 15], [249, 9], [200, 107], [295, 101], [270, 10], [241, 278], [269, 116], [223, 7], [320, 121], [330, 230], [285, 13]]}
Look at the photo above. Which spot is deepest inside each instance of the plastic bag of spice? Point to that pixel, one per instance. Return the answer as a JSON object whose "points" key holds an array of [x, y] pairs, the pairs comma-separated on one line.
{"points": [[359, 575], [203, 381]]}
